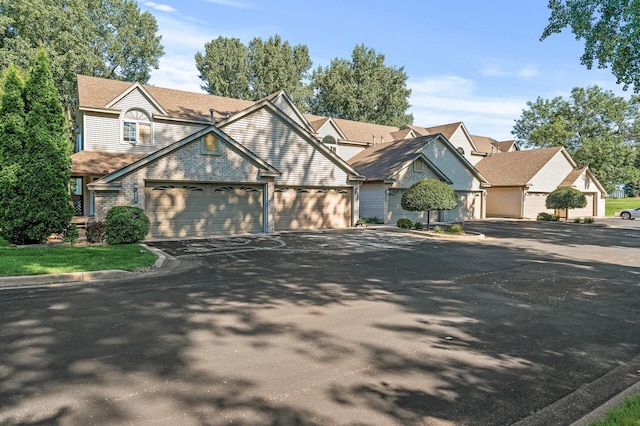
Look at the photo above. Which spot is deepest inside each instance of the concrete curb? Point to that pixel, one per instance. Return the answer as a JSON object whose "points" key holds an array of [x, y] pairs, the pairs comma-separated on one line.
{"points": [[78, 277], [601, 412]]}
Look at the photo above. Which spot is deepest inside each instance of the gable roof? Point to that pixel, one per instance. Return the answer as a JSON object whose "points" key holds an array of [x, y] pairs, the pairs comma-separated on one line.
{"points": [[506, 146], [381, 161], [100, 163], [516, 168], [95, 92], [365, 132], [485, 144]]}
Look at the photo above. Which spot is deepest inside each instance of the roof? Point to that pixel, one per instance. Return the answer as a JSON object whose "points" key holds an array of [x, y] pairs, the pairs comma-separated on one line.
{"points": [[506, 146], [515, 168], [379, 162], [573, 176], [485, 144], [365, 132], [94, 92], [89, 163], [447, 130]]}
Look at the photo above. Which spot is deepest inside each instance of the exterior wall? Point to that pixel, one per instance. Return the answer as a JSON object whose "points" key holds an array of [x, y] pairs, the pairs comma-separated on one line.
{"points": [[185, 164], [586, 184], [300, 162], [285, 106], [395, 210], [589, 210], [452, 167], [535, 203], [372, 200], [470, 207], [347, 151], [407, 176], [552, 174], [459, 139], [102, 132], [504, 202]]}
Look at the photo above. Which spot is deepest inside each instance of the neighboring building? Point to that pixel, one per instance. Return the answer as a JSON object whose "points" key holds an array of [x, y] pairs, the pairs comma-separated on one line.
{"points": [[391, 167], [522, 180], [201, 164]]}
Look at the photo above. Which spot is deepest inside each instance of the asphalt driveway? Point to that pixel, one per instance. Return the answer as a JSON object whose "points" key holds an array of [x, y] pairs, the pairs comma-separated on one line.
{"points": [[537, 324]]}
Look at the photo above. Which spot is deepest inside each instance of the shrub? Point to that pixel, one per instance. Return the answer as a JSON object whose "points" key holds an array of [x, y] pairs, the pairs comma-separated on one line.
{"points": [[576, 220], [455, 229], [438, 229], [417, 225], [71, 234], [404, 223], [548, 217], [373, 219], [96, 232], [126, 225], [589, 220]]}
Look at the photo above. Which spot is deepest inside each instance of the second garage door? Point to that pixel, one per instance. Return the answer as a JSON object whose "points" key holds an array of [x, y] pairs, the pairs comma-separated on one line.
{"points": [[312, 208], [197, 210]]}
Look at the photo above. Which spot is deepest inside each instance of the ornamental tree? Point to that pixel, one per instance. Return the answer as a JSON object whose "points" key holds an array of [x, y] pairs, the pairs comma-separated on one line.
{"points": [[566, 198], [427, 195]]}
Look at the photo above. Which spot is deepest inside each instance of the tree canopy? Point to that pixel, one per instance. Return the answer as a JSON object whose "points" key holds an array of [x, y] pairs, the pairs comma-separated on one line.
{"points": [[610, 29], [363, 89], [34, 177], [427, 195], [598, 128], [566, 198], [229, 68], [102, 38]]}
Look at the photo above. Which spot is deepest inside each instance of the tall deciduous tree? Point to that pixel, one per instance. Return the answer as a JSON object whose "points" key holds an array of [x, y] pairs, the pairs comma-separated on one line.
{"points": [[102, 38], [610, 29], [40, 204], [427, 195], [363, 89], [599, 129], [229, 68]]}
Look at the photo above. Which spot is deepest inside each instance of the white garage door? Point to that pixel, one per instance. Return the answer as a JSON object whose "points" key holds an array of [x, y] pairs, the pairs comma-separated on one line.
{"points": [[196, 210], [588, 210], [535, 203], [312, 208]]}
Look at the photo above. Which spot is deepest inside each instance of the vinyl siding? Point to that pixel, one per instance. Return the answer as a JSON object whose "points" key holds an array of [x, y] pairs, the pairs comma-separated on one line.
{"points": [[300, 162], [469, 208], [372, 200], [347, 151], [283, 105], [459, 139], [407, 176], [451, 165], [136, 99], [551, 175]]}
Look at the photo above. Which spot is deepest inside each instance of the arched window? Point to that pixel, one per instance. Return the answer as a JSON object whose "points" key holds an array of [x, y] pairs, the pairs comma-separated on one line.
{"points": [[137, 127], [460, 150], [330, 142]]}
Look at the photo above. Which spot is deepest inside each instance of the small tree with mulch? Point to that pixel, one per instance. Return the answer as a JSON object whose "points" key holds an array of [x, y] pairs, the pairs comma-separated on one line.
{"points": [[427, 195], [566, 198]]}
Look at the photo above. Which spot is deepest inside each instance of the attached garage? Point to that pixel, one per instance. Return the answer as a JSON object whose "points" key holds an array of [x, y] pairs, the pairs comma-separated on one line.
{"points": [[184, 209], [588, 210], [312, 208], [536, 202]]}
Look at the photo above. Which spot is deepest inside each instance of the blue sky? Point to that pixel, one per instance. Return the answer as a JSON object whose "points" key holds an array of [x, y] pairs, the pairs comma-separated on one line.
{"points": [[467, 60]]}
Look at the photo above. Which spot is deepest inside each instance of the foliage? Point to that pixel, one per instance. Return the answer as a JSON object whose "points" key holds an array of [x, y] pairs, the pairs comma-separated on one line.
{"points": [[373, 220], [96, 231], [126, 225], [588, 220], [455, 229], [427, 195], [438, 229], [362, 222], [543, 216], [404, 223], [363, 89], [615, 204], [631, 189], [37, 173], [598, 129], [71, 234], [56, 260], [107, 38], [417, 225], [566, 198], [229, 68], [610, 29], [628, 413], [577, 220]]}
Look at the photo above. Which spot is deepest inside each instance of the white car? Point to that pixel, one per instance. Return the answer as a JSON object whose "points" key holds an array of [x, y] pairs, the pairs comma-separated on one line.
{"points": [[630, 213]]}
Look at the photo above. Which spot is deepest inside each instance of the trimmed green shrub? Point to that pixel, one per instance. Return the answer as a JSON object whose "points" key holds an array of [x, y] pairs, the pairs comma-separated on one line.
{"points": [[589, 220], [96, 232], [427, 195], [455, 229], [543, 216], [576, 220], [417, 225], [373, 219], [566, 198], [71, 234], [126, 225], [404, 223], [438, 229]]}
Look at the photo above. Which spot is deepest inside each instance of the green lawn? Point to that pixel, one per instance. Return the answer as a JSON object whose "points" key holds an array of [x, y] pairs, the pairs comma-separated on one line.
{"points": [[626, 414], [614, 204], [55, 260]]}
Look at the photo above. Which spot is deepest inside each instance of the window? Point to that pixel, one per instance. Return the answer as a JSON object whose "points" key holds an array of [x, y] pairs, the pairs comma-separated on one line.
{"points": [[136, 127], [460, 150], [330, 142], [418, 165], [209, 144]]}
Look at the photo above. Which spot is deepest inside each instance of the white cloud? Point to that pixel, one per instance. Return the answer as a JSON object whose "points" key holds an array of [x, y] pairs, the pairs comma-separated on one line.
{"points": [[177, 72], [231, 3], [159, 7], [440, 100], [526, 72]]}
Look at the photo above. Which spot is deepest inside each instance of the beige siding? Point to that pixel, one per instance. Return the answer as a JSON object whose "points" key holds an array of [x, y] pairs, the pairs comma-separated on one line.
{"points": [[588, 211], [347, 151], [408, 176], [300, 162], [395, 210], [372, 200], [102, 133], [585, 184], [552, 174], [285, 107], [452, 166], [469, 208], [460, 139], [504, 202], [312, 208]]}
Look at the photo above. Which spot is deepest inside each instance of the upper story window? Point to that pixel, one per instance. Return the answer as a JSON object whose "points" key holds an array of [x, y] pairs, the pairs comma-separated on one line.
{"points": [[418, 165], [330, 142], [136, 127], [209, 144]]}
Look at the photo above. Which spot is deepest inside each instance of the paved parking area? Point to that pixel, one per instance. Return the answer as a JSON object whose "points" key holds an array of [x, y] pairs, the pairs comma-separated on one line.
{"points": [[537, 324]]}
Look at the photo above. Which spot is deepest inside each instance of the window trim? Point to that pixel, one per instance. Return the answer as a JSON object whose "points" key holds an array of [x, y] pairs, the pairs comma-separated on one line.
{"points": [[204, 151], [134, 123], [415, 163]]}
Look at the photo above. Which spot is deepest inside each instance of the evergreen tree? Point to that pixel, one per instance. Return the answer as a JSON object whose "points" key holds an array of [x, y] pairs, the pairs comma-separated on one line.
{"points": [[40, 203]]}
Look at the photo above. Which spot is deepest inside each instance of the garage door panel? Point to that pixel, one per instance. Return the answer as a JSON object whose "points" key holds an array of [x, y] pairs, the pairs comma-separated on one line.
{"points": [[312, 208], [185, 210]]}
